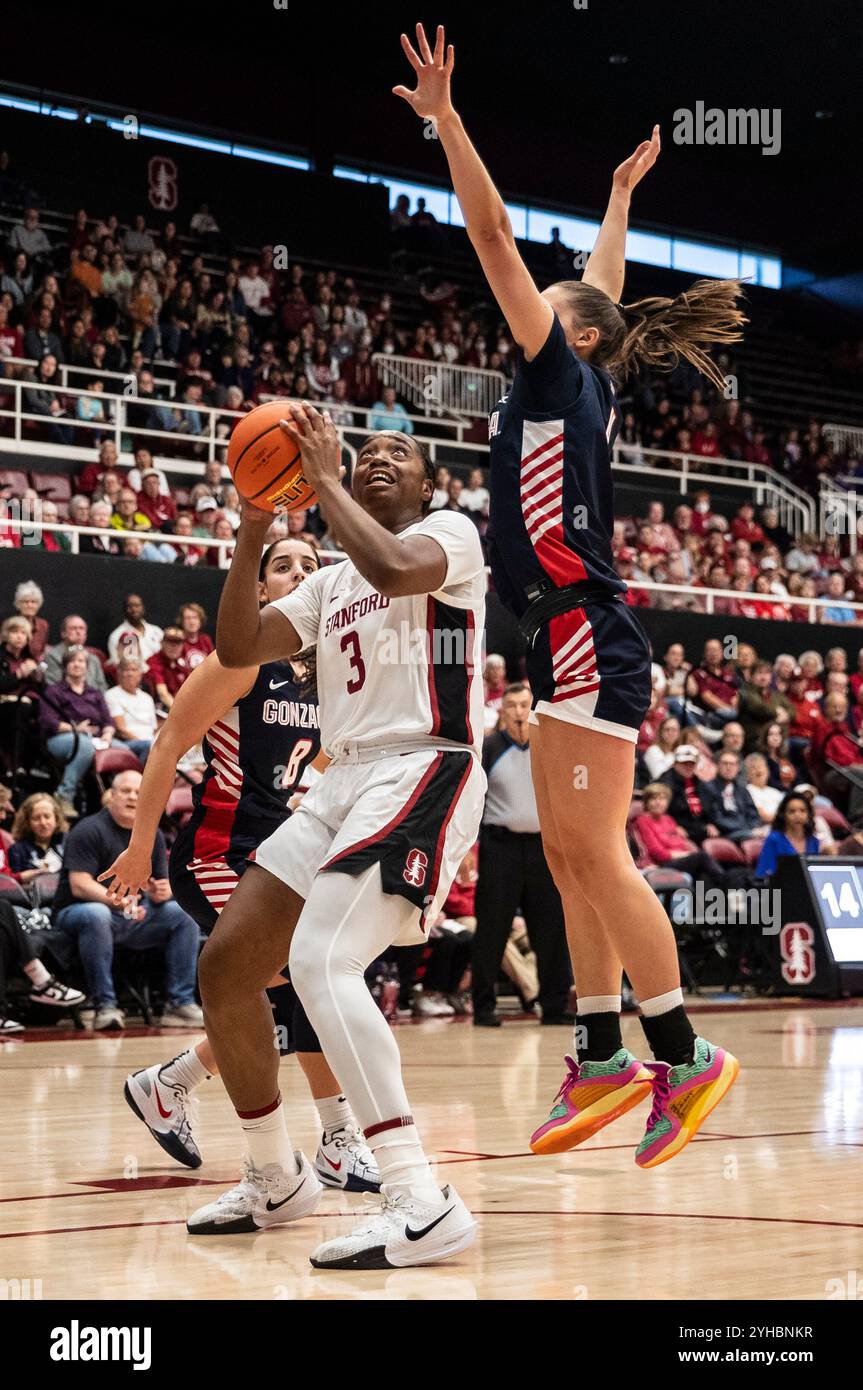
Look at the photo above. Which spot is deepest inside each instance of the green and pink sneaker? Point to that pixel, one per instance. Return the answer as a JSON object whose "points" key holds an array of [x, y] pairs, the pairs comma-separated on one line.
{"points": [[683, 1097], [592, 1095]]}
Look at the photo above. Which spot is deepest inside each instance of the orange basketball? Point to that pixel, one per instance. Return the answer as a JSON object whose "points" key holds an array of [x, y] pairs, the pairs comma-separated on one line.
{"points": [[265, 463]]}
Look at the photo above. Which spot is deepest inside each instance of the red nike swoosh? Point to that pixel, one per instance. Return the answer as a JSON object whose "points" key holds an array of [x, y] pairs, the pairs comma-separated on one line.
{"points": [[336, 1166], [166, 1114]]}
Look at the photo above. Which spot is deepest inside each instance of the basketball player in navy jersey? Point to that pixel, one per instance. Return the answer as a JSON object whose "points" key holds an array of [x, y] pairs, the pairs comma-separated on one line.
{"points": [[261, 741], [588, 661]]}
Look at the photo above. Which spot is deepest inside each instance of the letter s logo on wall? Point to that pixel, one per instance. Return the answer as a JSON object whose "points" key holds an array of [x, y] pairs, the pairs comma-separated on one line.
{"points": [[162, 176]]}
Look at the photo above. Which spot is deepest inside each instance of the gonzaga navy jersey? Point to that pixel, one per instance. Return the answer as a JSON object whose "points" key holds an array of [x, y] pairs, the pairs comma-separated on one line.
{"points": [[256, 754], [550, 439]]}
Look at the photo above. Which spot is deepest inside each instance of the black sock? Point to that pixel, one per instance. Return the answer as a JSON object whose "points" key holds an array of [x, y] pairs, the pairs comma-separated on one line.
{"points": [[598, 1036], [671, 1036]]}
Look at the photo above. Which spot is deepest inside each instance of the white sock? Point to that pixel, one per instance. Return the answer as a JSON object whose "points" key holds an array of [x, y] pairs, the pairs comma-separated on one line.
{"points": [[186, 1070], [599, 1004], [35, 971], [334, 1112], [404, 1168], [662, 1003], [267, 1138]]}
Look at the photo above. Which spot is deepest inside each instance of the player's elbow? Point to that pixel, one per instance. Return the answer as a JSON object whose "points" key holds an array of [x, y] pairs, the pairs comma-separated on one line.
{"points": [[490, 235]]}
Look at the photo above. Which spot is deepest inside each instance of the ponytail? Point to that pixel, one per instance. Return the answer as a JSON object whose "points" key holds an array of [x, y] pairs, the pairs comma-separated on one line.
{"points": [[658, 332]]}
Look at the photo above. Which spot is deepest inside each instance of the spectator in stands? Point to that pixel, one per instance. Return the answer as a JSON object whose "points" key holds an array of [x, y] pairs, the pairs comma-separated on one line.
{"points": [[132, 709], [759, 705], [221, 556], [687, 804], [661, 534], [784, 671], [134, 636], [93, 474], [20, 672], [745, 527], [101, 512], [361, 378], [41, 399], [128, 515], [733, 739], [440, 496], [17, 952], [838, 612], [28, 601], [72, 715], [812, 669], [475, 498], [73, 634], [494, 685], [144, 464], [91, 408], [212, 486], [666, 843], [766, 797], [82, 910], [117, 280], [144, 305], [659, 757], [52, 540], [727, 803], [168, 668], [157, 552], [11, 338], [713, 687], [39, 836], [773, 743], [388, 414], [41, 340], [160, 511], [29, 237], [196, 644], [335, 404], [802, 558], [137, 240], [793, 833]]}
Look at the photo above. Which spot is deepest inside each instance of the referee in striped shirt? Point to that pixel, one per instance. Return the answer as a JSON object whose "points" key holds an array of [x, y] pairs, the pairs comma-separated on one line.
{"points": [[514, 875]]}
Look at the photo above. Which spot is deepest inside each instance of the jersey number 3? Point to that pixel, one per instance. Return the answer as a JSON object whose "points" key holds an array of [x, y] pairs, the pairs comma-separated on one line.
{"points": [[351, 641]]}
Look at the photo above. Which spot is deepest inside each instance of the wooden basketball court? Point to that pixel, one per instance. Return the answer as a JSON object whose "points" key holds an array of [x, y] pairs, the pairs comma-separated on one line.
{"points": [[767, 1203]]}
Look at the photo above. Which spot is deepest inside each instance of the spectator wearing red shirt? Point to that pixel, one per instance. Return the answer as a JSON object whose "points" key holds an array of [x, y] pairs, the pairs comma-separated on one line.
{"points": [[633, 598], [11, 339], [168, 669], [856, 680], [705, 442], [757, 451], [702, 513], [666, 843], [152, 502], [835, 743], [713, 686], [744, 527], [93, 473], [196, 644], [361, 377]]}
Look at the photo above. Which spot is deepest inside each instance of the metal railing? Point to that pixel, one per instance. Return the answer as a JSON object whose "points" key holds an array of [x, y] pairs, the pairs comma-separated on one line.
{"points": [[845, 438], [65, 371], [693, 599], [685, 472], [441, 388]]}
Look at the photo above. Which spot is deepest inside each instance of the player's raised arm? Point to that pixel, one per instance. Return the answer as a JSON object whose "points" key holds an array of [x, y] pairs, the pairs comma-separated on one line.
{"points": [[486, 219], [606, 264], [246, 634]]}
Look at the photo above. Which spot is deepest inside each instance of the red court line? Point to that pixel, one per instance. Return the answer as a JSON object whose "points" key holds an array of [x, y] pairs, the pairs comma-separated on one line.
{"points": [[649, 1215]]}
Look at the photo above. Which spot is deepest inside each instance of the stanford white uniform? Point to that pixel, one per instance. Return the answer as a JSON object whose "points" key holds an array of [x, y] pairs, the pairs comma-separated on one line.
{"points": [[401, 711]]}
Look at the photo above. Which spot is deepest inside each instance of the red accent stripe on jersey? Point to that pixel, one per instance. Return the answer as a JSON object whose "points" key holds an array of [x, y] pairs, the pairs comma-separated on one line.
{"points": [[396, 820], [259, 1114], [539, 450], [400, 1122], [432, 690], [438, 855], [230, 734]]}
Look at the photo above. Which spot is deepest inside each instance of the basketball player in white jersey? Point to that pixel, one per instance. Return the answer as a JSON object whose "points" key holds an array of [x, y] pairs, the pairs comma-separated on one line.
{"points": [[369, 855]]}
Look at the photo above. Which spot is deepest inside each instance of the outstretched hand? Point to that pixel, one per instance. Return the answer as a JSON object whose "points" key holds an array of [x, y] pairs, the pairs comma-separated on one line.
{"points": [[633, 169], [317, 439], [431, 100]]}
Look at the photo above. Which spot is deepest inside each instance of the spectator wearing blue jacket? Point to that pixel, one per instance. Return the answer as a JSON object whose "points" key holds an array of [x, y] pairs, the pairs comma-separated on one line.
{"points": [[793, 833]]}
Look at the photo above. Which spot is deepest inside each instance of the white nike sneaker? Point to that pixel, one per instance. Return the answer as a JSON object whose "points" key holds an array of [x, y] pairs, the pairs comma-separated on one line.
{"points": [[345, 1160], [265, 1197], [168, 1112], [404, 1232], [56, 994]]}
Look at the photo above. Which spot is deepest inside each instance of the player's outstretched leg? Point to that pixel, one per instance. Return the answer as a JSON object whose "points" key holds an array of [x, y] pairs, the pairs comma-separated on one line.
{"points": [[615, 920], [347, 922]]}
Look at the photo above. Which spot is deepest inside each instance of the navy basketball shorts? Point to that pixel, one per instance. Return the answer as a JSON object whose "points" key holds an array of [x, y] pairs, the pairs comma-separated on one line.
{"points": [[591, 666], [202, 887]]}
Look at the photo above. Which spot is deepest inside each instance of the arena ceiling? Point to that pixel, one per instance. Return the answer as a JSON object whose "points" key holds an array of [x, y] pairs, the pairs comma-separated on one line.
{"points": [[554, 92]]}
